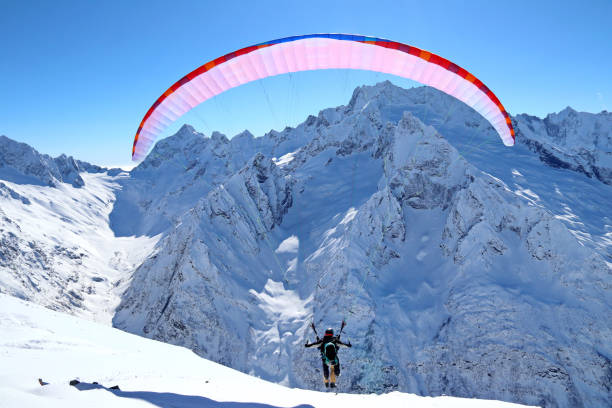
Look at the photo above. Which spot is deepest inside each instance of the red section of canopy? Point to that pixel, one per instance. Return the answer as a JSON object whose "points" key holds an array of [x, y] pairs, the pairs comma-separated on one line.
{"points": [[489, 106]]}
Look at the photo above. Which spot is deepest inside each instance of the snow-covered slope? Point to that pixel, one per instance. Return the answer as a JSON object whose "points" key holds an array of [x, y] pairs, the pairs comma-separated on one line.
{"points": [[38, 343], [451, 282], [20, 163], [578, 141], [181, 169], [536, 174], [56, 247]]}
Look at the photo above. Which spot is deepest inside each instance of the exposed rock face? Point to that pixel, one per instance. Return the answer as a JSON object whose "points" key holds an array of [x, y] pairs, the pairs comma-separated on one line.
{"points": [[182, 169], [56, 248], [578, 141], [22, 164], [451, 282], [214, 294]]}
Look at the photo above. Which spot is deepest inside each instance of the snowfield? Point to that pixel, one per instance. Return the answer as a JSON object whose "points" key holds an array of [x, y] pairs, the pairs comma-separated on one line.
{"points": [[57, 249], [40, 343]]}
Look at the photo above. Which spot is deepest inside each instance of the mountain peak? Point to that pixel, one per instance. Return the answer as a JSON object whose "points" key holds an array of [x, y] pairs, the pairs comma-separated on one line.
{"points": [[22, 164], [219, 137], [184, 136], [186, 128], [244, 134], [568, 111], [365, 93], [562, 115]]}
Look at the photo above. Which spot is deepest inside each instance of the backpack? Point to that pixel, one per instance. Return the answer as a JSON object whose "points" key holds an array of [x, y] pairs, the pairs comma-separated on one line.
{"points": [[329, 353]]}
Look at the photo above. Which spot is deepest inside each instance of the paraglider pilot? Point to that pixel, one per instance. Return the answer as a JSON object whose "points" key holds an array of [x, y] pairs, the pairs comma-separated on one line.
{"points": [[328, 346]]}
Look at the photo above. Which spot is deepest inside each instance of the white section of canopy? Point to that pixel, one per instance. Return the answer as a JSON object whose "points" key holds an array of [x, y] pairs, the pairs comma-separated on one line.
{"points": [[313, 54]]}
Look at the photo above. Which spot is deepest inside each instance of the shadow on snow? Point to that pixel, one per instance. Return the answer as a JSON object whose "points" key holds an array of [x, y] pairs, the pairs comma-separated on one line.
{"points": [[171, 400]]}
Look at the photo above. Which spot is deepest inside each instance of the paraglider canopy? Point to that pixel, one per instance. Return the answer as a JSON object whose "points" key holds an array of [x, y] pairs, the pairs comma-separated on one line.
{"points": [[313, 52]]}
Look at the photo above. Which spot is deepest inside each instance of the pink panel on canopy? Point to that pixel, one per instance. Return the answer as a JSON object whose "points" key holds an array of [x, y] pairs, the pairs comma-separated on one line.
{"points": [[310, 54]]}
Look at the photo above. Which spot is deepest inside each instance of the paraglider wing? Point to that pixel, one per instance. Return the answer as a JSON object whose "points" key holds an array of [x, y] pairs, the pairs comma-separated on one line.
{"points": [[312, 52]]}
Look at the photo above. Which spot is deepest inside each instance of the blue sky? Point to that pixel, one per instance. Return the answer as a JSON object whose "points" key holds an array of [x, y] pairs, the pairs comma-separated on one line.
{"points": [[77, 76]]}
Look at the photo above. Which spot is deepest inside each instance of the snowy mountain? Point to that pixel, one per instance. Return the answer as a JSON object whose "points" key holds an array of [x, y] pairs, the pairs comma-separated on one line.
{"points": [[574, 140], [39, 343], [529, 173], [461, 266], [20, 163], [183, 168], [387, 225], [56, 247]]}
